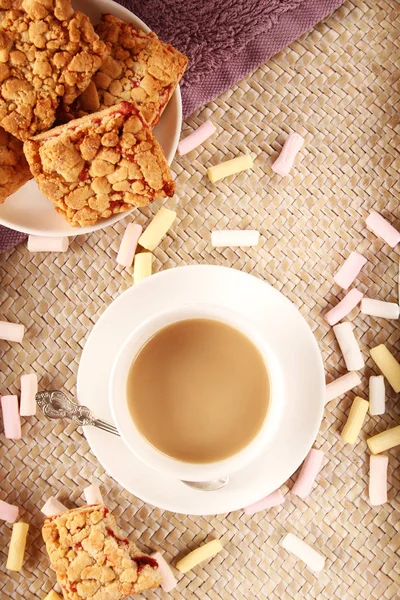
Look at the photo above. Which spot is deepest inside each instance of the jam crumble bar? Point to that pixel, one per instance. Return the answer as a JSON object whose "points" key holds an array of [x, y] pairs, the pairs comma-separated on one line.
{"points": [[92, 559], [14, 169], [47, 52], [99, 165], [140, 68]]}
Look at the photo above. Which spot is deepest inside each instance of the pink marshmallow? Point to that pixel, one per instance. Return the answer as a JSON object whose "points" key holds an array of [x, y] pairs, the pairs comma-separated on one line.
{"points": [[37, 243], [349, 270], [342, 385], [8, 512], [29, 388], [383, 229], [168, 580], [344, 307], [11, 332], [53, 507], [273, 499], [378, 479], [128, 245], [199, 136], [309, 471], [11, 419], [285, 160]]}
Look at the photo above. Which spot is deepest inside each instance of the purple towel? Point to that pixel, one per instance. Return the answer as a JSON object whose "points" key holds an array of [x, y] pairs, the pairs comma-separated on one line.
{"points": [[224, 40]]}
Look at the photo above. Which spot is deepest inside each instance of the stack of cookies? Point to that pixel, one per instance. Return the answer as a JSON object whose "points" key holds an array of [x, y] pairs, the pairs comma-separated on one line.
{"points": [[107, 87]]}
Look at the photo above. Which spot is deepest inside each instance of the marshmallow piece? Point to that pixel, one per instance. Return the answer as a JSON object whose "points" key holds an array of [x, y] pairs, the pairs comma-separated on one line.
{"points": [[285, 160], [378, 480], [342, 309], [157, 229], [16, 551], [235, 237], [230, 167], [355, 420], [312, 558], [52, 596], [11, 332], [349, 270], [376, 395], [29, 388], [93, 494], [383, 229], [398, 284], [53, 507], [11, 419], [274, 499], [168, 580], [377, 308], [8, 512], [384, 441], [349, 346], [128, 245], [309, 471], [199, 555], [197, 137], [37, 243], [342, 385], [142, 267], [387, 364]]}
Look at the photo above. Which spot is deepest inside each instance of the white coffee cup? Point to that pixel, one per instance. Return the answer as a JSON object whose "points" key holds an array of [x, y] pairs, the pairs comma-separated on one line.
{"points": [[138, 444]]}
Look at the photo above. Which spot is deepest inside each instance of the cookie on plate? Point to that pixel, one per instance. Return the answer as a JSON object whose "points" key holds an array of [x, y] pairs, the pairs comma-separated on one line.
{"points": [[140, 68], [14, 169], [48, 51], [100, 165], [93, 560]]}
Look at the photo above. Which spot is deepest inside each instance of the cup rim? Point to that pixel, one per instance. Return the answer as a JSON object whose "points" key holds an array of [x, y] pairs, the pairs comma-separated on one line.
{"points": [[136, 441]]}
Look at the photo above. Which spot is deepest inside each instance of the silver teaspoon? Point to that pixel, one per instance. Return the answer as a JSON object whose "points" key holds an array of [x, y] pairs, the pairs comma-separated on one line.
{"points": [[208, 486], [56, 405]]}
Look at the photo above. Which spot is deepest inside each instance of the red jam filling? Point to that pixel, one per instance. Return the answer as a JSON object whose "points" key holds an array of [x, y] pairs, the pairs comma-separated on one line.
{"points": [[112, 534], [83, 174], [142, 561]]}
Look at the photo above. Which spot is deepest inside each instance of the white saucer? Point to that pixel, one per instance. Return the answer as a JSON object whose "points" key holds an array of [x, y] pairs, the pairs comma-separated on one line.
{"points": [[29, 211], [287, 333]]}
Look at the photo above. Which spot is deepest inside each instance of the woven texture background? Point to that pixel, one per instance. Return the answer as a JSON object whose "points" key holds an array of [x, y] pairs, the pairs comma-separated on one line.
{"points": [[339, 87]]}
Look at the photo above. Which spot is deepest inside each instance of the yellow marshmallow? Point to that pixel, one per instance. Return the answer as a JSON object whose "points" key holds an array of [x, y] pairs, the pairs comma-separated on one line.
{"points": [[355, 420], [197, 556]]}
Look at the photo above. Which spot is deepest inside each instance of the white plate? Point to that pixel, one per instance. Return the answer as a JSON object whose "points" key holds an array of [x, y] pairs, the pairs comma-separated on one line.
{"points": [[29, 211], [286, 332]]}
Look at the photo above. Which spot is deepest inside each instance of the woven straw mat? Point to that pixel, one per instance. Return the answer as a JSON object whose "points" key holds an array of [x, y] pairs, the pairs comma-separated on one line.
{"points": [[339, 87]]}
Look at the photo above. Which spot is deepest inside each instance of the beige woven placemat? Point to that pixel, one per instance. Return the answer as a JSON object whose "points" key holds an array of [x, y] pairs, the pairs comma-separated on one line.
{"points": [[338, 86]]}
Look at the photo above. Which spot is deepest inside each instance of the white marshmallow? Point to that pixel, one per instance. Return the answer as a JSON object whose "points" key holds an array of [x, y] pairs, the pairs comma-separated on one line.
{"points": [[285, 160], [235, 237], [29, 388], [312, 558], [378, 308], [11, 332], [93, 494], [376, 395], [349, 346]]}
